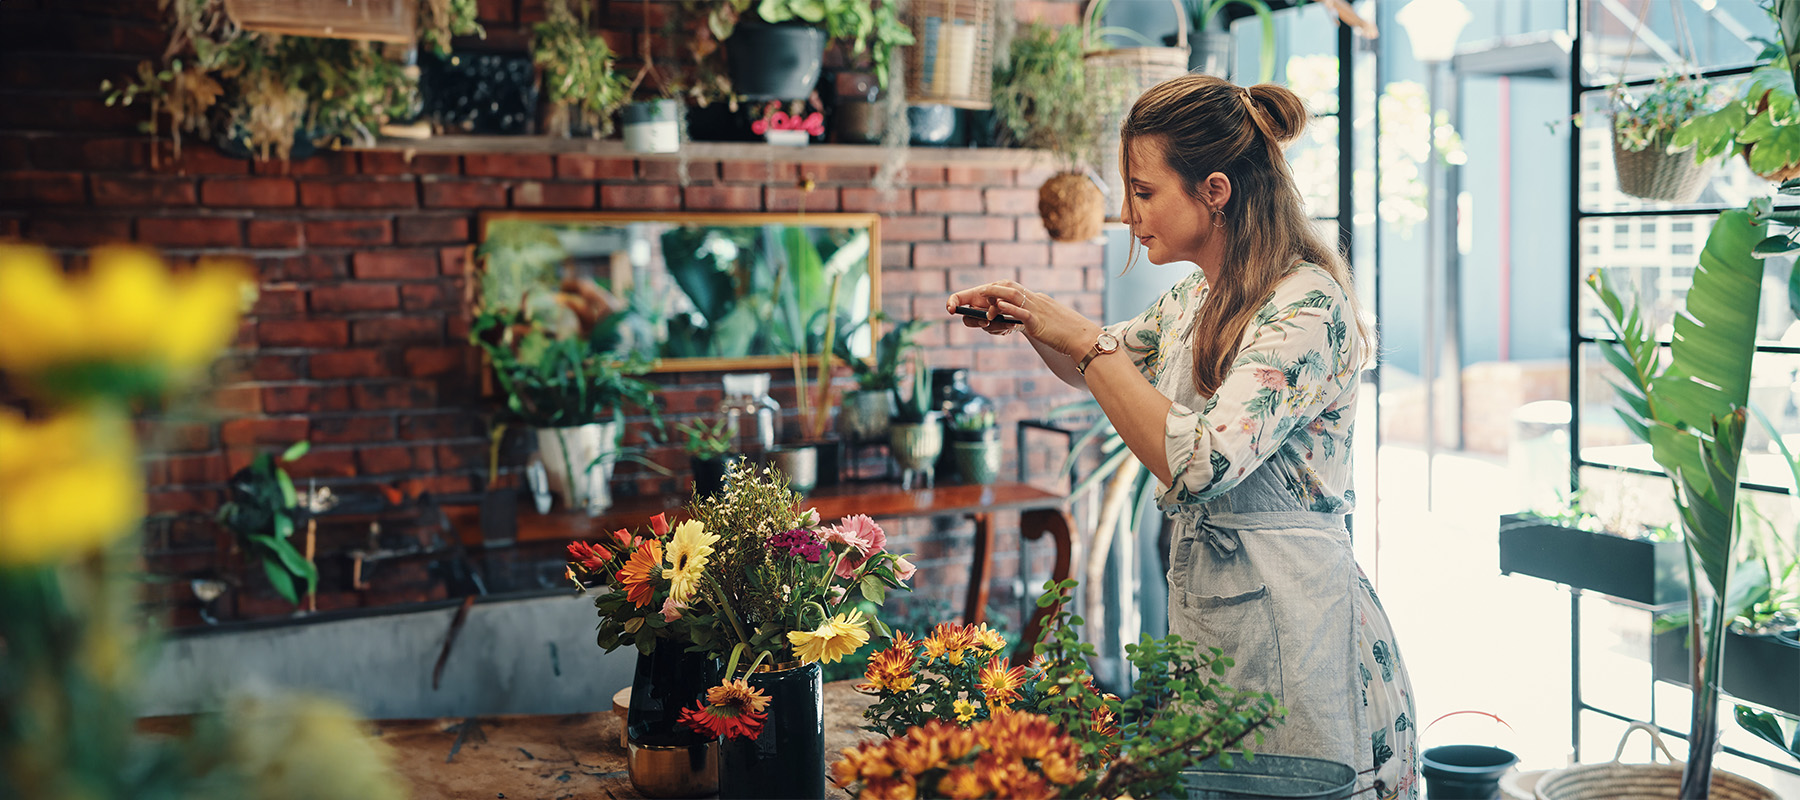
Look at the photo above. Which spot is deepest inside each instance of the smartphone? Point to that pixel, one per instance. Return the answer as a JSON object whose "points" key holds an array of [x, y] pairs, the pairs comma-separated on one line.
{"points": [[981, 313]]}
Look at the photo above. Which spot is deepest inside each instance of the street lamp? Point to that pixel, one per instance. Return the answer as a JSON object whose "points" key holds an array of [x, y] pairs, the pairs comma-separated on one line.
{"points": [[1432, 27]]}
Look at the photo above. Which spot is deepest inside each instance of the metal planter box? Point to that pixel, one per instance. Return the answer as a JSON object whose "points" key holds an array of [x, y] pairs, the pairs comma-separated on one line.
{"points": [[1636, 570], [1759, 669]]}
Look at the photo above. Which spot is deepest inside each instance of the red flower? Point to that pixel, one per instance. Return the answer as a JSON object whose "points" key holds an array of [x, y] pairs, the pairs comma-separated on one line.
{"points": [[731, 710], [591, 558], [659, 525]]}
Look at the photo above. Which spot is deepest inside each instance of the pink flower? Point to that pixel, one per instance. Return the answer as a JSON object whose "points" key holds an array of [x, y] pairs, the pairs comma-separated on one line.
{"points": [[837, 594], [671, 610], [904, 569], [861, 536], [1271, 378]]}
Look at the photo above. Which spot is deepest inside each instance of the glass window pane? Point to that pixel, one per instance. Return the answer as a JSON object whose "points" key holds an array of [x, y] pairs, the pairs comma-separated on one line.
{"points": [[1606, 440], [1731, 186], [1719, 35], [1661, 274]]}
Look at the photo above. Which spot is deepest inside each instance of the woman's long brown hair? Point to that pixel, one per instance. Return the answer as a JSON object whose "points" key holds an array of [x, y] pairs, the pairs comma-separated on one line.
{"points": [[1209, 125]]}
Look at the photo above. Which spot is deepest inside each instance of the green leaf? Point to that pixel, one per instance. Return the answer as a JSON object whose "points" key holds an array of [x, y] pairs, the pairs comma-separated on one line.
{"points": [[874, 589], [284, 525], [1774, 246], [289, 498], [296, 451], [290, 558], [1711, 134], [279, 578], [1772, 146]]}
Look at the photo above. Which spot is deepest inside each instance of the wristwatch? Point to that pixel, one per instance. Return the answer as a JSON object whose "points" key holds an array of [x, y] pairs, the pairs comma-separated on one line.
{"points": [[1105, 343]]}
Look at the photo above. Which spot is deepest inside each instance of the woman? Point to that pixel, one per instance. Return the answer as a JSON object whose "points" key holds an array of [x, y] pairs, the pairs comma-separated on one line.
{"points": [[1238, 390]]}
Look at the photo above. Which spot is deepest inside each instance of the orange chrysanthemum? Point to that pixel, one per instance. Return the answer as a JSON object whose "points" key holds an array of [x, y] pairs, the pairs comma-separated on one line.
{"points": [[1011, 755], [891, 670], [948, 641], [732, 709], [1000, 683], [640, 573], [987, 638]]}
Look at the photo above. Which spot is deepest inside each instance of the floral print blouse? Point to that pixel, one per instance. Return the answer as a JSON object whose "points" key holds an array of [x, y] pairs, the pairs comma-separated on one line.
{"points": [[1288, 402]]}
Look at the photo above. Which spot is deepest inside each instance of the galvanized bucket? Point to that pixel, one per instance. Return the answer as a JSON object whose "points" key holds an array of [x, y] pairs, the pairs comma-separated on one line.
{"points": [[1269, 777]]}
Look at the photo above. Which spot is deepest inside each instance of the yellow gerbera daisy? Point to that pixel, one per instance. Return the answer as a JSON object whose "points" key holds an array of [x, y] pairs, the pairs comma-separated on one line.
{"points": [[838, 637], [68, 485], [688, 553]]}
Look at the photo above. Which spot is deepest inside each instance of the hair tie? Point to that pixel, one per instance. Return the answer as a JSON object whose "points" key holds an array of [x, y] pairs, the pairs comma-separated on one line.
{"points": [[1249, 102]]}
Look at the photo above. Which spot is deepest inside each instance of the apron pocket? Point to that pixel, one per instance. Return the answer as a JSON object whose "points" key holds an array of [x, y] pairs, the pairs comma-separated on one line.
{"points": [[1242, 625]]}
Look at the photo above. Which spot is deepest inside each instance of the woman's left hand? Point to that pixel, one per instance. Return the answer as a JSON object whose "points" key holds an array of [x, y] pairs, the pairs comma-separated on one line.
{"points": [[1043, 318]]}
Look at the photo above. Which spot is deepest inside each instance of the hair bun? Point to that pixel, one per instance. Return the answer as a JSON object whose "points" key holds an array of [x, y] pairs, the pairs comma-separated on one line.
{"points": [[1282, 110]]}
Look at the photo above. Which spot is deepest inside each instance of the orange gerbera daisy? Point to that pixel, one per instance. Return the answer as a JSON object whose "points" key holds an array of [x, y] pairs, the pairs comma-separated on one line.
{"points": [[640, 573], [732, 709]]}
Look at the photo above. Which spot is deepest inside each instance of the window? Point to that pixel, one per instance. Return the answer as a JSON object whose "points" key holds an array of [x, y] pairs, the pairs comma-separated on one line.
{"points": [[1682, 250], [1621, 229], [1685, 226]]}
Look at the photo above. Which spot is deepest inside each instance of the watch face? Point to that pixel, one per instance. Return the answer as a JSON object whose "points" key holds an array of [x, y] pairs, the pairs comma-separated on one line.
{"points": [[1107, 342]]}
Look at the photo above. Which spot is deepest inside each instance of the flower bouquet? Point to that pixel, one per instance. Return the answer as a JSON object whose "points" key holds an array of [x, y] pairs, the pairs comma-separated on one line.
{"points": [[1044, 731], [753, 580]]}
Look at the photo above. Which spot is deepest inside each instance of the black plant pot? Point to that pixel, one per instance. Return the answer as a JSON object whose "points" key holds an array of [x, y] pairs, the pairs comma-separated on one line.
{"points": [[709, 473], [1762, 669], [787, 758], [499, 516], [775, 62], [935, 126], [485, 93], [1465, 771], [666, 758], [718, 123], [1639, 570]]}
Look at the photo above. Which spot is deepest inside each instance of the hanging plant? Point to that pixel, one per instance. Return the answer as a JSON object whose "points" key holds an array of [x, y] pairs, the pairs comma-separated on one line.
{"points": [[1649, 160], [1760, 123], [578, 74], [1046, 97]]}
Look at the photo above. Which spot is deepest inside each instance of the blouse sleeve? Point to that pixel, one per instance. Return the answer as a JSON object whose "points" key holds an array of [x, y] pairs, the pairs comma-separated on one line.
{"points": [[1294, 363], [1141, 336]]}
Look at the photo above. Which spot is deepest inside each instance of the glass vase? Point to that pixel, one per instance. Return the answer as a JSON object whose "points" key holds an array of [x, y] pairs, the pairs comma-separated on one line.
{"points": [[664, 757], [787, 758]]}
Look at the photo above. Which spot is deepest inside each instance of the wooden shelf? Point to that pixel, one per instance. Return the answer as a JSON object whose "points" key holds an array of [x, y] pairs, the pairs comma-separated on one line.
{"points": [[1005, 158]]}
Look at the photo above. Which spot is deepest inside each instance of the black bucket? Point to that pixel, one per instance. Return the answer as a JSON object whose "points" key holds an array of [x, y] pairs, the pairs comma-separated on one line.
{"points": [[1269, 777], [1465, 771]]}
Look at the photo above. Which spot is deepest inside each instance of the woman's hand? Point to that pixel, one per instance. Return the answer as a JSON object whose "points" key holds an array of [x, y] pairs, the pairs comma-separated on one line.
{"points": [[1044, 319]]}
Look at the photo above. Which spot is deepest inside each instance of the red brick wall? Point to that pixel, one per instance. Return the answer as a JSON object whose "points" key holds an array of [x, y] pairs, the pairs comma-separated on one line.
{"points": [[358, 340]]}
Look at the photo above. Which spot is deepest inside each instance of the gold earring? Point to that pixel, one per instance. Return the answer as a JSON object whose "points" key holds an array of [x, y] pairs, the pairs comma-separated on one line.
{"points": [[1218, 218]]}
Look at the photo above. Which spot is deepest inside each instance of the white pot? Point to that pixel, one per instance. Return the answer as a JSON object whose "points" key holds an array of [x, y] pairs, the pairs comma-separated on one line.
{"points": [[586, 452]]}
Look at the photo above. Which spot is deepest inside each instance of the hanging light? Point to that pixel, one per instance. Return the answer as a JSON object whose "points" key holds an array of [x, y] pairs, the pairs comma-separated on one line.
{"points": [[1433, 26]]}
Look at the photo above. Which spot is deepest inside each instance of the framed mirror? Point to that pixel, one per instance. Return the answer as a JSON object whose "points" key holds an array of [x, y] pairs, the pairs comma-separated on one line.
{"points": [[696, 291]]}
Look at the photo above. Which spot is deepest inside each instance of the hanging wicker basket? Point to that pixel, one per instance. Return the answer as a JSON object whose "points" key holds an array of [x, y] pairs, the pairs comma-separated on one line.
{"points": [[1617, 781], [953, 59], [372, 20], [1657, 173], [1139, 68]]}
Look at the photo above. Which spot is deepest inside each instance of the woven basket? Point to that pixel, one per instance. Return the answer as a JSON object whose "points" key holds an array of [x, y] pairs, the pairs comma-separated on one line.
{"points": [[1655, 173], [1143, 67], [373, 20], [952, 36], [1616, 781]]}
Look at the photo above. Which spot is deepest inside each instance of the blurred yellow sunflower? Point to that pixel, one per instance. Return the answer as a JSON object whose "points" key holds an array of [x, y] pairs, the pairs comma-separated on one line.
{"points": [[68, 485], [838, 637], [128, 325], [688, 553]]}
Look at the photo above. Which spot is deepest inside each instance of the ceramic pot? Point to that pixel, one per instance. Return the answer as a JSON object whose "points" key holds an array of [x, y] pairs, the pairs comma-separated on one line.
{"points": [[800, 463], [787, 758], [864, 415], [977, 462], [664, 757], [652, 126], [579, 463], [774, 62], [916, 446]]}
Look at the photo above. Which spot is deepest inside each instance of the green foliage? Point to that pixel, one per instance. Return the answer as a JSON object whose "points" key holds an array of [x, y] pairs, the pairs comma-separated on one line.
{"points": [[706, 441], [1760, 122], [915, 402], [263, 512], [1653, 119], [974, 423], [578, 71], [555, 382], [220, 82], [1202, 12], [1047, 98], [520, 264], [1179, 712], [881, 371], [1768, 727], [872, 26], [1691, 411]]}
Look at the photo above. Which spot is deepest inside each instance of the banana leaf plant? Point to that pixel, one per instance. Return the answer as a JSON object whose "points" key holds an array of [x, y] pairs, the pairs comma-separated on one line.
{"points": [[1688, 403], [263, 512]]}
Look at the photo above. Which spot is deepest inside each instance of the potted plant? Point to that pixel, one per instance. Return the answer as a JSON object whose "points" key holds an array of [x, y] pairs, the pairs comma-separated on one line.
{"points": [[1649, 161], [776, 53], [1578, 549], [262, 95], [1756, 124], [1046, 98], [1209, 41], [975, 441], [578, 76], [916, 434], [866, 411], [709, 453], [262, 514], [1688, 403]]}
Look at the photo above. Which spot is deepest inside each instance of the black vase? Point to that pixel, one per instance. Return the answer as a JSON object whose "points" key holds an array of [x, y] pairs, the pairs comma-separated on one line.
{"points": [[774, 62], [666, 758], [787, 758], [951, 395], [709, 473]]}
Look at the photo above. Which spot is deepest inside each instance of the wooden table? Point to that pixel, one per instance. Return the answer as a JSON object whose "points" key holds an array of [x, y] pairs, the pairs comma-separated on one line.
{"points": [[1041, 513], [544, 756]]}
